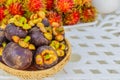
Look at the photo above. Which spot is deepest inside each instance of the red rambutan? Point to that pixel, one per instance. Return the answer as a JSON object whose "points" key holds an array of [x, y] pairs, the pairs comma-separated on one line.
{"points": [[64, 5], [2, 15], [88, 14], [35, 5], [54, 17], [72, 17], [49, 4], [16, 9]]}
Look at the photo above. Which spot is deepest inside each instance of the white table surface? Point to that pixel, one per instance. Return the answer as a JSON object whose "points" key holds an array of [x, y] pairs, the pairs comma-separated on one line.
{"points": [[95, 51]]}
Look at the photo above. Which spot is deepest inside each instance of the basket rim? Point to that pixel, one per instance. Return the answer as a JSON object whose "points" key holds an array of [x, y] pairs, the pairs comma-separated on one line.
{"points": [[5, 68]]}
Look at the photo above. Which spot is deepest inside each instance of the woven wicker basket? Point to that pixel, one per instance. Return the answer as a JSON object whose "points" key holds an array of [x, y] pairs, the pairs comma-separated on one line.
{"points": [[41, 73]]}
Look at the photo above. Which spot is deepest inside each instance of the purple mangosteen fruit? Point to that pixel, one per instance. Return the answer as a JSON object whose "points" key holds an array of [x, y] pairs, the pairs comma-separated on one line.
{"points": [[17, 57], [45, 57], [2, 37], [46, 22], [37, 37], [13, 30]]}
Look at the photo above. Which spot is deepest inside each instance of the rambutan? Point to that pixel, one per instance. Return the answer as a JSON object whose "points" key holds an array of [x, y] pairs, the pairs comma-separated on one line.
{"points": [[86, 1], [88, 14], [35, 5], [64, 5], [54, 17], [49, 4], [2, 15], [78, 2], [72, 17], [2, 1], [16, 9], [82, 3]]}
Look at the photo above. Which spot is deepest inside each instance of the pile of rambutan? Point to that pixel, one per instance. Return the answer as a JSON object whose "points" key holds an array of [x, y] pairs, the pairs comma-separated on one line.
{"points": [[59, 12], [71, 11], [9, 8]]}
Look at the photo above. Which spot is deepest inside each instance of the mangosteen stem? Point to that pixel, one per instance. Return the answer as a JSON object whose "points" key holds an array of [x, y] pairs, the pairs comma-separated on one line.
{"points": [[4, 44], [47, 56], [27, 39], [23, 20]]}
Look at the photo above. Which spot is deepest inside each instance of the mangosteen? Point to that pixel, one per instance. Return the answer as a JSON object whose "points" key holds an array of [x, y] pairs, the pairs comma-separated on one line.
{"points": [[0, 58], [45, 57], [13, 30], [37, 37], [17, 57], [2, 36], [45, 22]]}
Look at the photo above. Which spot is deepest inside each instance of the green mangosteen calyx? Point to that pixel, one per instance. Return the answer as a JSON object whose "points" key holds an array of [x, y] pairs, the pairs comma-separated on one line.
{"points": [[24, 42], [59, 47], [20, 21]]}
